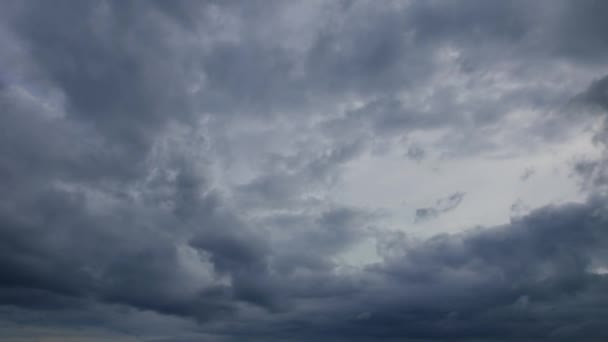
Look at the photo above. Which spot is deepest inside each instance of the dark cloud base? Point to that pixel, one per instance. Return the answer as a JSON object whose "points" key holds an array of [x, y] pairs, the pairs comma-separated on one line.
{"points": [[114, 115]]}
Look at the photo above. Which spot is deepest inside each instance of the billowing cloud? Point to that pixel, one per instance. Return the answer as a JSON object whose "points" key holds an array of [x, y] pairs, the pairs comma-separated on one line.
{"points": [[220, 171]]}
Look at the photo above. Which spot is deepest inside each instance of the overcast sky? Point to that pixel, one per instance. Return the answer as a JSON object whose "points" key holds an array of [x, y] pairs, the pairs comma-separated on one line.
{"points": [[303, 170]]}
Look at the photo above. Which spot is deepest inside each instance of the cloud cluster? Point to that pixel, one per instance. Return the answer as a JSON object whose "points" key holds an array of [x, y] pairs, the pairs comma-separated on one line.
{"points": [[168, 169]]}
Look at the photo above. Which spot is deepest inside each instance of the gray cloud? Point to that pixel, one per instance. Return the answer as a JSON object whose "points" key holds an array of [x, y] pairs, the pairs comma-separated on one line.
{"points": [[168, 169], [593, 172], [416, 153], [528, 172], [442, 205]]}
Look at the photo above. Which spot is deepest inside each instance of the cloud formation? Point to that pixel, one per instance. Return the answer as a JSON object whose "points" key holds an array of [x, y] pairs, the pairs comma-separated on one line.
{"points": [[186, 171], [442, 205]]}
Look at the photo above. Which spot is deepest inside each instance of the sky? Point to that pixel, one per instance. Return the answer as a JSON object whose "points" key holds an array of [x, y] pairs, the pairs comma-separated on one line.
{"points": [[303, 170]]}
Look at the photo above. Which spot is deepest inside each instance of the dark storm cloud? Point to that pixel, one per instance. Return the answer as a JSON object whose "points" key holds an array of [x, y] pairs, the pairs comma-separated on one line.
{"points": [[99, 68], [492, 284], [118, 120], [537, 267], [87, 210]]}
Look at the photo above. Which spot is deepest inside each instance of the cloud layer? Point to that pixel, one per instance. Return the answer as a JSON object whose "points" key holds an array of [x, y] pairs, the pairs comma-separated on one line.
{"points": [[229, 171]]}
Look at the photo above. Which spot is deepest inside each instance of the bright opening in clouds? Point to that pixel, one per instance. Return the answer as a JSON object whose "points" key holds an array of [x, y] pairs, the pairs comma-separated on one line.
{"points": [[303, 170]]}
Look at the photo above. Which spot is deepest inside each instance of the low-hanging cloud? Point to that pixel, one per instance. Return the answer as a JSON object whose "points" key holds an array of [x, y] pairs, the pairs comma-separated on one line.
{"points": [[175, 170]]}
